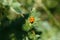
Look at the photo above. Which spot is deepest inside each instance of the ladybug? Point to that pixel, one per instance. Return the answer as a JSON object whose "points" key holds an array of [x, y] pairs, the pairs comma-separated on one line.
{"points": [[31, 19]]}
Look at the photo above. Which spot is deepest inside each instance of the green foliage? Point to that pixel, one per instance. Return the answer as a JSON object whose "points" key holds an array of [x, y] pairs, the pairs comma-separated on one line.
{"points": [[15, 20]]}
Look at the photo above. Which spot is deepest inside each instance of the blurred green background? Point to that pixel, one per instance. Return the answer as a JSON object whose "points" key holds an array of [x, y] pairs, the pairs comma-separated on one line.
{"points": [[15, 20]]}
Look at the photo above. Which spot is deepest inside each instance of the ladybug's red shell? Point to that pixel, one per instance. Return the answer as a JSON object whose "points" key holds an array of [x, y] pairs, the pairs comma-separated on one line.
{"points": [[31, 19]]}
